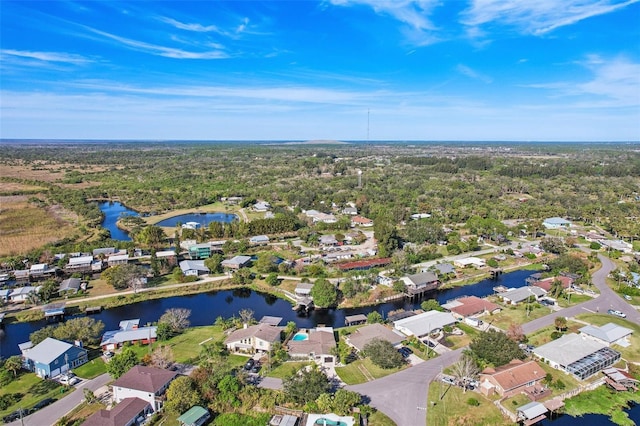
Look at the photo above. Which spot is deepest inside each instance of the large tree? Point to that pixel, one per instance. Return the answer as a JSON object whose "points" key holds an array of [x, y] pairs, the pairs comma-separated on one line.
{"points": [[324, 293], [305, 385], [13, 364], [125, 276], [152, 236], [176, 318], [182, 395], [122, 362], [383, 354], [85, 329], [465, 370], [495, 347]]}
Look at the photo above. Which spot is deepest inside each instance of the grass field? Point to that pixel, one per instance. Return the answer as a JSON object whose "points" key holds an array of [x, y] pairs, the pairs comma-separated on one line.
{"points": [[287, 368], [92, 369], [33, 390], [454, 410], [543, 335], [26, 226], [518, 314], [363, 370]]}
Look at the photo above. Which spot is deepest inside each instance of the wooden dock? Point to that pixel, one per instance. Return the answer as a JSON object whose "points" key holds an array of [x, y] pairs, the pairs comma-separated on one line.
{"points": [[93, 310]]}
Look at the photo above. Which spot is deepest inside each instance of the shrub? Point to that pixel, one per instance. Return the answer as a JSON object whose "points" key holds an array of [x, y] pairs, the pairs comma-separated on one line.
{"points": [[556, 335], [473, 402]]}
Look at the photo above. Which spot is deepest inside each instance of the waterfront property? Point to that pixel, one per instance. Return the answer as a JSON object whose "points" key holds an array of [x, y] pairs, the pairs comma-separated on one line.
{"points": [[253, 338], [531, 413], [129, 332], [425, 323], [129, 412], [363, 335], [193, 268], [21, 294], [470, 306], [514, 296], [514, 378], [418, 284], [146, 383], [70, 285], [578, 355], [199, 251], [52, 357], [318, 346]]}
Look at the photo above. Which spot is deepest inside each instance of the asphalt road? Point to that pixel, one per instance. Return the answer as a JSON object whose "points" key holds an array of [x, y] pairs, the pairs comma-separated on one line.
{"points": [[50, 414], [403, 396]]}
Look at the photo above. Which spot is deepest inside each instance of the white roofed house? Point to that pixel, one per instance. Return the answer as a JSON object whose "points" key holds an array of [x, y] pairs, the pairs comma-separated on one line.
{"points": [[236, 262], [470, 261], [128, 332], [193, 268], [328, 240], [518, 295], [608, 334], [425, 323], [259, 239], [21, 294], [118, 259], [556, 223], [261, 206], [79, 264]]}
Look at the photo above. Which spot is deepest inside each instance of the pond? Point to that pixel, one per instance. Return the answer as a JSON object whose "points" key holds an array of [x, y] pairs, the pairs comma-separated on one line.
{"points": [[590, 419], [112, 212], [204, 219], [206, 307]]}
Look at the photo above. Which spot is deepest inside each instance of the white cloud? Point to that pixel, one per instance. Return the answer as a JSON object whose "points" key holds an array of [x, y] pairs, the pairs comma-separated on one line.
{"points": [[537, 17], [155, 49], [419, 29], [190, 27], [465, 70], [68, 58]]}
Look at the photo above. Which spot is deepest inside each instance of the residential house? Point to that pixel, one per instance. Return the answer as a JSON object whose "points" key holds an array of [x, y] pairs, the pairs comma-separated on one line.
{"points": [[608, 334], [556, 223], [118, 259], [146, 383], [546, 283], [620, 379], [470, 306], [318, 345], [70, 285], [514, 378], [129, 412], [21, 275], [470, 261], [422, 282], [38, 270], [361, 221], [363, 335], [517, 295], [193, 268], [129, 331], [106, 251], [328, 240], [261, 206], [79, 264], [351, 211], [425, 323], [253, 338], [578, 355], [303, 290], [443, 269], [259, 239], [52, 357], [21, 294], [237, 262], [168, 256], [199, 251], [4, 295], [195, 416], [324, 217]]}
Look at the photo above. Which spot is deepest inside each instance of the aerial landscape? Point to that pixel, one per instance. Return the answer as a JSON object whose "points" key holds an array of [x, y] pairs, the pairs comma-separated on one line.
{"points": [[301, 213]]}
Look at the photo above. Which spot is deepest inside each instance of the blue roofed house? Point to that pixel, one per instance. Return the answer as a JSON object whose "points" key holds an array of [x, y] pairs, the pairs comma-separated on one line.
{"points": [[52, 357]]}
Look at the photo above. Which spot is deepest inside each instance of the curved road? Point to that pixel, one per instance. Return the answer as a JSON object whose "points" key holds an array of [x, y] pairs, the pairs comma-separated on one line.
{"points": [[403, 396]]}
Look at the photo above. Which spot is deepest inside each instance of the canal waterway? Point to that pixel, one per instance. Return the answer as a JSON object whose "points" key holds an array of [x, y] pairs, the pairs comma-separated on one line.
{"points": [[112, 212], [206, 307]]}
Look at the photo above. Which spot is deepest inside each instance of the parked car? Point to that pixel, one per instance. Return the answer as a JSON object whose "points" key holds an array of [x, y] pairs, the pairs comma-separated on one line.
{"points": [[108, 354], [249, 365], [547, 302], [627, 297], [15, 415], [449, 380], [256, 368], [404, 351], [429, 343], [69, 379], [43, 403], [617, 313]]}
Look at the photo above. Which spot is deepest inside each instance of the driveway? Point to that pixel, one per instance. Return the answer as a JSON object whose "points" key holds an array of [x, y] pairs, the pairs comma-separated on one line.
{"points": [[50, 414]]}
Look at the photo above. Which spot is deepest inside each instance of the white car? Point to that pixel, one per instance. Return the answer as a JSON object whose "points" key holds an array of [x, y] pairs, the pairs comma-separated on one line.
{"points": [[69, 379], [627, 297], [617, 313]]}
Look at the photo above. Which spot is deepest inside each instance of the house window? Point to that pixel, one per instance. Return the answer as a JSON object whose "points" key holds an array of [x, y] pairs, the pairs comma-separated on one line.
{"points": [[531, 383]]}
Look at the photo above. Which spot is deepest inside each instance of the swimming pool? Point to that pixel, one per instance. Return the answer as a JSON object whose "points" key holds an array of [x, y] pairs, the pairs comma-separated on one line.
{"points": [[300, 336]]}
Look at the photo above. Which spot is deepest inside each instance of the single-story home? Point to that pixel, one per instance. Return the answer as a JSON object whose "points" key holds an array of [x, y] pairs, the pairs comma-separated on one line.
{"points": [[71, 285], [168, 255], [303, 289], [620, 379], [546, 283], [328, 240], [608, 334], [195, 416], [316, 344], [422, 324], [52, 357], [324, 217], [514, 378], [363, 335], [21, 294], [118, 259], [578, 355], [236, 262], [470, 261], [517, 295], [444, 269], [261, 206], [531, 413], [105, 251], [470, 306], [259, 239], [556, 223], [361, 221], [350, 211], [253, 338], [129, 412], [193, 268], [129, 331], [146, 383]]}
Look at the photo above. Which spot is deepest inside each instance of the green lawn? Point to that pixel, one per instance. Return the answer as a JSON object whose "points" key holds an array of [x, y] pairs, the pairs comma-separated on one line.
{"points": [[543, 335], [286, 368], [33, 390], [518, 314], [92, 369], [363, 370], [453, 408]]}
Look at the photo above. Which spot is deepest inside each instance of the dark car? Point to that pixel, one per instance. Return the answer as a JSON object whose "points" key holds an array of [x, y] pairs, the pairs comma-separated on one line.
{"points": [[43, 403], [256, 368], [15, 415], [405, 352], [249, 365]]}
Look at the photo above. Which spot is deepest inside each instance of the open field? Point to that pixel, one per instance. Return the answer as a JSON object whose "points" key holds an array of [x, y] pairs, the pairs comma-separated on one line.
{"points": [[33, 389], [10, 188], [447, 405], [363, 370], [25, 226]]}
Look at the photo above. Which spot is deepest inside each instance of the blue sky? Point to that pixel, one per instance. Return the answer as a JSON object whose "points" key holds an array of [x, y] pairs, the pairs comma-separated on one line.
{"points": [[547, 70]]}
